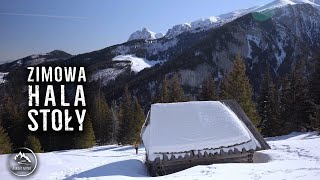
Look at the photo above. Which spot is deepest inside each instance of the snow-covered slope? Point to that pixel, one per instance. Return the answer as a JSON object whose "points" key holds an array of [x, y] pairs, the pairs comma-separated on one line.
{"points": [[2, 77], [206, 23], [178, 29], [276, 4], [137, 64], [106, 75], [294, 156], [282, 3]]}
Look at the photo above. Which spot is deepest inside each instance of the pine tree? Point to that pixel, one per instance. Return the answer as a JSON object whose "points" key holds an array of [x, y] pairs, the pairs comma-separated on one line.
{"points": [[268, 107], [295, 100], [277, 122], [208, 90], [138, 119], [85, 138], [236, 86], [108, 130], [264, 105], [299, 114], [13, 120], [115, 121], [315, 83], [34, 144], [125, 117], [12, 110], [177, 93], [101, 119], [285, 105], [5, 144], [314, 89], [300, 97], [315, 117], [164, 92]]}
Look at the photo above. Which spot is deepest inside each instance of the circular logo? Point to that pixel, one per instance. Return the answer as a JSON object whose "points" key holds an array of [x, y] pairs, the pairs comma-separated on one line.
{"points": [[22, 162]]}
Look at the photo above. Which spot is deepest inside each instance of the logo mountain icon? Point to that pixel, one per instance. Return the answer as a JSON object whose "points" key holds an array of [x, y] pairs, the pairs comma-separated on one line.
{"points": [[21, 158]]}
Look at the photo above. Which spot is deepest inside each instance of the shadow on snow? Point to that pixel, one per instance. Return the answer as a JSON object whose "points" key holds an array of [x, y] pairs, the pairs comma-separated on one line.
{"points": [[123, 148], [104, 148], [130, 168], [299, 135]]}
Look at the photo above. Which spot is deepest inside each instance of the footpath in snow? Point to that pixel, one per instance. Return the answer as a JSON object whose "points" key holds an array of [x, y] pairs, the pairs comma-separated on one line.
{"points": [[294, 156]]}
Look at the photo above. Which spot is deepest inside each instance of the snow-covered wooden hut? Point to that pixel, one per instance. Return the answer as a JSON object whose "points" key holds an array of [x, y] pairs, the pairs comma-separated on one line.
{"points": [[177, 136]]}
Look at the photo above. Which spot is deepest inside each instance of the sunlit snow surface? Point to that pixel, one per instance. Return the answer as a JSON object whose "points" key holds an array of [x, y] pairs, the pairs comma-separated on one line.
{"points": [[137, 64], [181, 127], [294, 156]]}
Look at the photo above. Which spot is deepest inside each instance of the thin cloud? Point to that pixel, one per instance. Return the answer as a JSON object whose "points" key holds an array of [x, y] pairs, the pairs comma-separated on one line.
{"points": [[45, 15]]}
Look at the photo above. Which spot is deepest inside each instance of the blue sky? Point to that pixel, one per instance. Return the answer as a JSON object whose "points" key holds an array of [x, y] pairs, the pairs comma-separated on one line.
{"points": [[78, 26]]}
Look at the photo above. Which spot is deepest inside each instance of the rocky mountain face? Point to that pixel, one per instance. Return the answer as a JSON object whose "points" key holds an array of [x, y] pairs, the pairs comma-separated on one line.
{"points": [[275, 35], [145, 34]]}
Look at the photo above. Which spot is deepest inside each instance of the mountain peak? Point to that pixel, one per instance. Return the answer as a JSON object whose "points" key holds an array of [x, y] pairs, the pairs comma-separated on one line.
{"points": [[59, 53], [145, 34], [212, 22], [281, 3], [178, 29], [36, 59]]}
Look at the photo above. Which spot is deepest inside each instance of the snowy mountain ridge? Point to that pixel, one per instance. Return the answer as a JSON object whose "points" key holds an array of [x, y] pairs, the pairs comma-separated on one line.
{"points": [[36, 59], [280, 36], [282, 3], [216, 21]]}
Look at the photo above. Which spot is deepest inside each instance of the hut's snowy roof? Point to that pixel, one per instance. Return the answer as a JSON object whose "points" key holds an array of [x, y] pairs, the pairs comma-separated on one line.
{"points": [[180, 127]]}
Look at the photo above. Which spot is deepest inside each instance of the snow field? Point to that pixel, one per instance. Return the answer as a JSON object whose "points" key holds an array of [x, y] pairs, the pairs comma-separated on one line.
{"points": [[137, 64], [294, 156]]}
